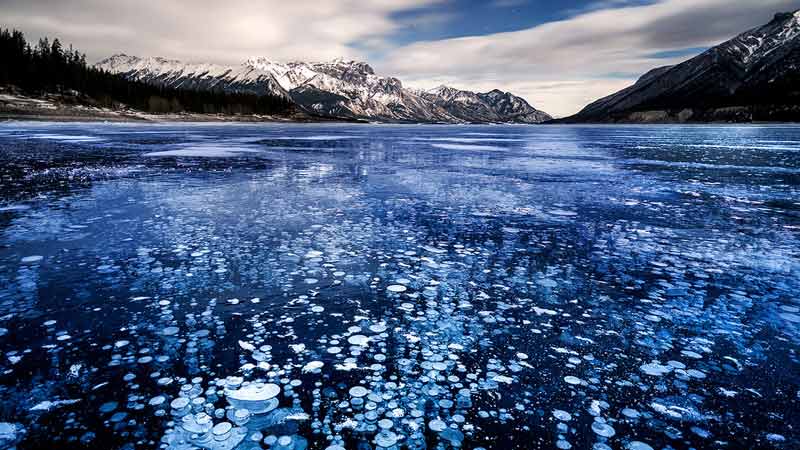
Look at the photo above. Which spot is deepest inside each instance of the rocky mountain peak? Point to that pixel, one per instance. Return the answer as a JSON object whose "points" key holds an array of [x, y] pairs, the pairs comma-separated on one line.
{"points": [[337, 88]]}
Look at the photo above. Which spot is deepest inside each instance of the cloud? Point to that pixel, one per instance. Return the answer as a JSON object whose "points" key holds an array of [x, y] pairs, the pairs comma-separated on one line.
{"points": [[554, 64], [211, 30]]}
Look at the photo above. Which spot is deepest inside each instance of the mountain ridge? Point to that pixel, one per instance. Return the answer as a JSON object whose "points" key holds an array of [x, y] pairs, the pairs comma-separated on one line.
{"points": [[338, 88], [751, 77]]}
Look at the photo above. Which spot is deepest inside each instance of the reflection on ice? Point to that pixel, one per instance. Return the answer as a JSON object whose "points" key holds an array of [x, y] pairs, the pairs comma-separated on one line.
{"points": [[206, 151], [467, 147]]}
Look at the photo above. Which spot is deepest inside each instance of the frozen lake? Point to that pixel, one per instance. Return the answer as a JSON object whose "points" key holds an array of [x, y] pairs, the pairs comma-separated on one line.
{"points": [[202, 286]]}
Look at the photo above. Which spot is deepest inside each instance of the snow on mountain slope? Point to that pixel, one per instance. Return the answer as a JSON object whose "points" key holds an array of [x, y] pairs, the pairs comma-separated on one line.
{"points": [[337, 88], [511, 108], [495, 106], [175, 74], [758, 70]]}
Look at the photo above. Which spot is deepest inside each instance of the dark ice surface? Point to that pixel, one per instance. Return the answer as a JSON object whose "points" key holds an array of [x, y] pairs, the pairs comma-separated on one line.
{"points": [[233, 286]]}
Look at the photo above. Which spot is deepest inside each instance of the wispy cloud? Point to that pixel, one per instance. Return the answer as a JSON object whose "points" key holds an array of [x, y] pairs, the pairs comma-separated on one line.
{"points": [[211, 30], [555, 63]]}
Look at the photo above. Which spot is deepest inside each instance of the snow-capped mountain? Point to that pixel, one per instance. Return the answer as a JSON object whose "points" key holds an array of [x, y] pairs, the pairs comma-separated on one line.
{"points": [[495, 106], [337, 88], [175, 74], [511, 108], [754, 76]]}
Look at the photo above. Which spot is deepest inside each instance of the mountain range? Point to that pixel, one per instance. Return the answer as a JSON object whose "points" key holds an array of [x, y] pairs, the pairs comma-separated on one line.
{"points": [[339, 88], [753, 77]]}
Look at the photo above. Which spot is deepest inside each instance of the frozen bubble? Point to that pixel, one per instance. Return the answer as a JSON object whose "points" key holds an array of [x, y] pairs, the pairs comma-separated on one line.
{"points": [[247, 346], [509, 380], [256, 397], [108, 407], [241, 417], [572, 380], [694, 373], [313, 254], [691, 354], [437, 425], [603, 429], [385, 439], [199, 423], [563, 445], [676, 364], [317, 309], [312, 366], [32, 259], [358, 391], [562, 415], [774, 437], [655, 369], [638, 445], [631, 413], [358, 339], [396, 288], [454, 436], [179, 403], [222, 430], [377, 328]]}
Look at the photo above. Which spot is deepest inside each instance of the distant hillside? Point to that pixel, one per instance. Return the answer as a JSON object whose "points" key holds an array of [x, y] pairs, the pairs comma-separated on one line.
{"points": [[753, 77], [49, 68]]}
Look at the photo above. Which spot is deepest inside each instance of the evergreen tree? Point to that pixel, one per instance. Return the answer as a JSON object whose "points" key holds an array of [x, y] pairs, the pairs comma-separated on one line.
{"points": [[48, 67]]}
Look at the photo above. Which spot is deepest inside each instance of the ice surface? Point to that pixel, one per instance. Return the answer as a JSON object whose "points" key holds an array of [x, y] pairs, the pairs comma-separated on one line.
{"points": [[551, 287]]}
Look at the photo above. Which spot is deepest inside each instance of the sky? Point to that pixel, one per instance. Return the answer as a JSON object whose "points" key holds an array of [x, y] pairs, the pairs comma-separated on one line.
{"points": [[558, 54]]}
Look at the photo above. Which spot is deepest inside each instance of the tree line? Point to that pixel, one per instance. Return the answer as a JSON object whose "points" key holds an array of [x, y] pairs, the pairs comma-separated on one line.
{"points": [[48, 67]]}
